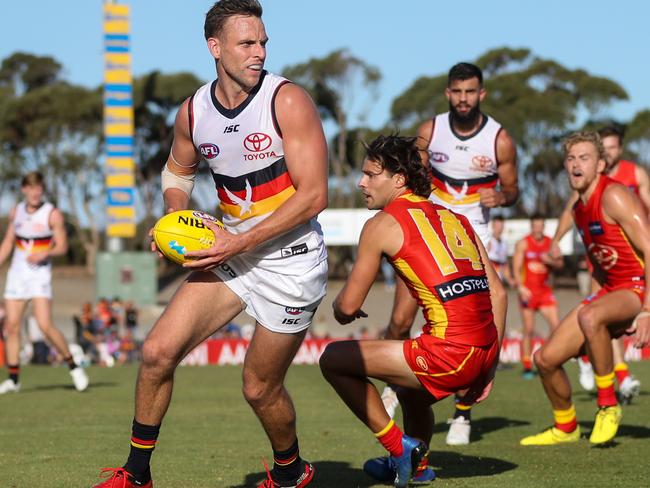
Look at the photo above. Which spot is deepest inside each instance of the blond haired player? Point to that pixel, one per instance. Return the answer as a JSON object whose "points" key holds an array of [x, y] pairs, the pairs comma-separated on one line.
{"points": [[614, 228]]}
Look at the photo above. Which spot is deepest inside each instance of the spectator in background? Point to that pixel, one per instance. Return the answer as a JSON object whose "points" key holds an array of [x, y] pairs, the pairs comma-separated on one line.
{"points": [[117, 311], [130, 317], [86, 331]]}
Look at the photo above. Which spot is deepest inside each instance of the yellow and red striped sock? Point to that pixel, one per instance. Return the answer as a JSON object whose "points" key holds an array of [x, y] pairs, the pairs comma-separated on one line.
{"points": [[605, 387], [621, 371], [527, 363], [566, 420], [391, 438]]}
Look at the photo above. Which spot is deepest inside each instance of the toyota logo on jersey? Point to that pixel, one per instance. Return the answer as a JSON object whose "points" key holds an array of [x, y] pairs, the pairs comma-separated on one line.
{"points": [[257, 141], [483, 163], [209, 151]]}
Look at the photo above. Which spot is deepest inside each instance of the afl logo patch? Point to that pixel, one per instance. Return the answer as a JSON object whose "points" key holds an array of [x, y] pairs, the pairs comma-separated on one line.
{"points": [[209, 151], [257, 141], [294, 310], [422, 363], [438, 157]]}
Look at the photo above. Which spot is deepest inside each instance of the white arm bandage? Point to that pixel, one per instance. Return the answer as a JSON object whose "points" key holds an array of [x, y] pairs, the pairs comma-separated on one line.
{"points": [[184, 183]]}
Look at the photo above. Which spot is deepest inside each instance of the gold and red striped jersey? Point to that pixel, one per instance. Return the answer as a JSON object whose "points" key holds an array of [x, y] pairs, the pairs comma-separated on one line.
{"points": [[536, 272], [440, 263], [625, 174], [607, 245]]}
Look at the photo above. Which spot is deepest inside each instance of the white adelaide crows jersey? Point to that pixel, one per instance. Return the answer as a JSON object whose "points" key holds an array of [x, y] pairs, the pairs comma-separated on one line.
{"points": [[243, 147], [460, 165], [33, 234]]}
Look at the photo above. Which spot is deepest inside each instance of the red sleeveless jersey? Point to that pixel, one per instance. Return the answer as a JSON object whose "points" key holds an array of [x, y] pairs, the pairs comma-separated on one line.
{"points": [[535, 272], [440, 263], [607, 245], [625, 174]]}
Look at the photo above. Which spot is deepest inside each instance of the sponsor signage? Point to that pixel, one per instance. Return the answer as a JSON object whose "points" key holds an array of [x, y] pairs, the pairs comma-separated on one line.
{"points": [[222, 352]]}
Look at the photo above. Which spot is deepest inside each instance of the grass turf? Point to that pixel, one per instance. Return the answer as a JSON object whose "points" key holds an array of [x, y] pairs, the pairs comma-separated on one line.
{"points": [[52, 436]]}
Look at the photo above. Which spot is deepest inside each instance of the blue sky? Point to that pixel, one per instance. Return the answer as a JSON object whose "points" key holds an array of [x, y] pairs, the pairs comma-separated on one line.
{"points": [[404, 39]]}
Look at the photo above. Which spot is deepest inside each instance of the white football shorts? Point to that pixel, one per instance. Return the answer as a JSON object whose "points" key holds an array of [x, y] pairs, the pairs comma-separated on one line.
{"points": [[284, 303], [27, 283]]}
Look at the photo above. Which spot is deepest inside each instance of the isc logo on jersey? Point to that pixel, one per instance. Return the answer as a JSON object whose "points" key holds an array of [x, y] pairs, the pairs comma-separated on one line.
{"points": [[180, 232]]}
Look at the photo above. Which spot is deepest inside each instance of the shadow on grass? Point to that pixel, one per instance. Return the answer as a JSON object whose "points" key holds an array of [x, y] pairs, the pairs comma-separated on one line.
{"points": [[449, 464], [67, 386], [327, 475], [484, 425], [445, 463]]}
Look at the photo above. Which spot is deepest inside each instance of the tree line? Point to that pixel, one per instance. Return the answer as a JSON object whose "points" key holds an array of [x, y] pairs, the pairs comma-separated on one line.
{"points": [[51, 125]]}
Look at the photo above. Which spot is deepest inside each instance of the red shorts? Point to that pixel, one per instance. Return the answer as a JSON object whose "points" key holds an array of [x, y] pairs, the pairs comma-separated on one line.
{"points": [[542, 297], [444, 367], [637, 287]]}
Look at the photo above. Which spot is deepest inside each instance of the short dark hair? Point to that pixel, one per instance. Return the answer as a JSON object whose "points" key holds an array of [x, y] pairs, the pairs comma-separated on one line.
{"points": [[537, 216], [464, 71], [611, 130], [399, 155], [498, 218], [34, 178], [217, 16]]}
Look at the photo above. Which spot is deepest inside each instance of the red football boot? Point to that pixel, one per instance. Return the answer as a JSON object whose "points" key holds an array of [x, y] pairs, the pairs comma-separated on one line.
{"points": [[303, 480], [120, 478]]}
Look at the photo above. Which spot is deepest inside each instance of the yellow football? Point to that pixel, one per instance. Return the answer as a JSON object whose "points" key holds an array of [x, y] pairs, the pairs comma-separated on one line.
{"points": [[183, 231]]}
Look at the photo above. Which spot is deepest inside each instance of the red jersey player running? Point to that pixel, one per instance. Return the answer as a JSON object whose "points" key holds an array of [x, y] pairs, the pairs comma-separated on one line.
{"points": [[615, 231], [636, 179], [532, 265], [443, 263]]}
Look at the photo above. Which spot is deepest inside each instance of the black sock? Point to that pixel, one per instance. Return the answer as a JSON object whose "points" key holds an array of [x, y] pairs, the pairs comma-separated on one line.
{"points": [[14, 372], [143, 442], [286, 464], [71, 363]]}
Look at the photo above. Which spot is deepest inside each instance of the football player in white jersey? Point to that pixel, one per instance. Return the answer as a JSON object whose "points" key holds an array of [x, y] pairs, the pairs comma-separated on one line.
{"points": [[473, 162], [35, 234], [263, 140], [497, 250]]}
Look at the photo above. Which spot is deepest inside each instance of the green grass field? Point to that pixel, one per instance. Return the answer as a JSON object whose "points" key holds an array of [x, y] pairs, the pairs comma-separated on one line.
{"points": [[52, 436]]}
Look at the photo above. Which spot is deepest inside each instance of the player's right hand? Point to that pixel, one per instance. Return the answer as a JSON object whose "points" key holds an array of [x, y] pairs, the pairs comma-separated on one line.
{"points": [[344, 319], [153, 246]]}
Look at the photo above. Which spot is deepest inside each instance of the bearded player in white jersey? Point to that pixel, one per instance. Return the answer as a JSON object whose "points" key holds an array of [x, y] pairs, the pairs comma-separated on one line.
{"points": [[35, 234], [263, 141], [473, 165]]}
